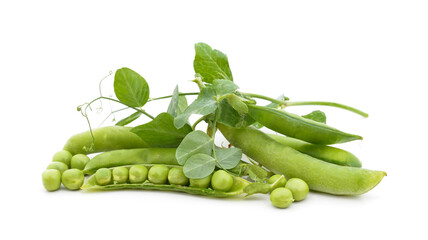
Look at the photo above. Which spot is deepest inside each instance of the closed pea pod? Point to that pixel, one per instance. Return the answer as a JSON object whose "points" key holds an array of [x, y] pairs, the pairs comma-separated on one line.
{"points": [[104, 139], [295, 126], [326, 153], [319, 175]]}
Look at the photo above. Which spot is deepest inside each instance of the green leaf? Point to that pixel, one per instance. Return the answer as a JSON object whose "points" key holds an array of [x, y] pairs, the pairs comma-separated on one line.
{"points": [[227, 115], [211, 64], [194, 143], [178, 103], [130, 88], [204, 105], [317, 115], [237, 104], [199, 166], [228, 157], [161, 132], [129, 119], [223, 87]]}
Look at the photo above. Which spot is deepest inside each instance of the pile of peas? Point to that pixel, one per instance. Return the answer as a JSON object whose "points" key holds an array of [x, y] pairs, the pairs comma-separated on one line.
{"points": [[66, 169], [220, 180], [286, 192]]}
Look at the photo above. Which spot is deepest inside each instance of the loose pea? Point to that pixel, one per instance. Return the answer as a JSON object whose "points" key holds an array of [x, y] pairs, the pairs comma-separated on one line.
{"points": [[298, 187], [51, 179], [120, 175], [62, 156], [281, 197], [60, 166], [275, 177], [73, 179], [201, 183], [176, 176], [158, 174], [103, 176], [221, 181], [79, 161], [137, 174]]}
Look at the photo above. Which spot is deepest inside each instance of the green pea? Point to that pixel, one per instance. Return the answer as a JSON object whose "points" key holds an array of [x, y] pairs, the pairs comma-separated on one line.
{"points": [[201, 183], [138, 174], [51, 179], [73, 179], [281, 197], [158, 174], [79, 161], [120, 174], [281, 182], [221, 181], [60, 166], [103, 176], [176, 176], [62, 156], [298, 187]]}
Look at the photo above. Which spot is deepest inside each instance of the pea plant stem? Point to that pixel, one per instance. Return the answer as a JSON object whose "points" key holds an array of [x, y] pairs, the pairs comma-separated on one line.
{"points": [[330, 104], [197, 122], [169, 96], [254, 95]]}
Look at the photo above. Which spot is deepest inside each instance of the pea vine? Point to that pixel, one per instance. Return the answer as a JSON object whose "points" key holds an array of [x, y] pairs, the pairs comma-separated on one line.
{"points": [[218, 101]]}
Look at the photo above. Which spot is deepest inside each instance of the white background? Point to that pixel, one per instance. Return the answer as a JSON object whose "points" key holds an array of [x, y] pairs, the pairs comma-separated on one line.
{"points": [[372, 55]]}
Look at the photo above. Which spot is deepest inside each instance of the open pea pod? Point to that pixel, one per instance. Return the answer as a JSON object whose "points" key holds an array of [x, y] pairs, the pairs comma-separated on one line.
{"points": [[295, 126], [237, 188]]}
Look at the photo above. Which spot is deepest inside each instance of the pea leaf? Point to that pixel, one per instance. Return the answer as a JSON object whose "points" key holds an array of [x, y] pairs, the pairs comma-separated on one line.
{"points": [[130, 88], [204, 105], [223, 87], [178, 103], [317, 115], [228, 157], [129, 119], [211, 64], [199, 166], [161, 132], [194, 143], [227, 115]]}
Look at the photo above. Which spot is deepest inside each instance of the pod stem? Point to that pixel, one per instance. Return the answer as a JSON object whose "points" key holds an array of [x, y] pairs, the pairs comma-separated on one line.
{"points": [[277, 101], [330, 104]]}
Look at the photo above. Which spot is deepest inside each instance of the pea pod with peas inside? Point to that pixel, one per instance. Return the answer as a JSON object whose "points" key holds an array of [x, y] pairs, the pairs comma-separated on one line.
{"points": [[319, 175], [237, 187], [295, 126]]}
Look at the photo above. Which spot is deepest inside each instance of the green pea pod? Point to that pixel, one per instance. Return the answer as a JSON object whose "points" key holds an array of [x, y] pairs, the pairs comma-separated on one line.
{"points": [[237, 188], [326, 153], [319, 175], [295, 126], [148, 156], [105, 139]]}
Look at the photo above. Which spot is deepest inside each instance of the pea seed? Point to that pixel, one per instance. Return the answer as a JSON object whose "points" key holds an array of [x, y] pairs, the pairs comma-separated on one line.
{"points": [[120, 175], [60, 166], [73, 179], [103, 176], [62, 156], [201, 183], [176, 176], [275, 177], [281, 197], [221, 181], [158, 174], [51, 179], [298, 187], [138, 174], [79, 161]]}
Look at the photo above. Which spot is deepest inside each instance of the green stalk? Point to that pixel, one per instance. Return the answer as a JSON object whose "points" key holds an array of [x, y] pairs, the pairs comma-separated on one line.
{"points": [[330, 104]]}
